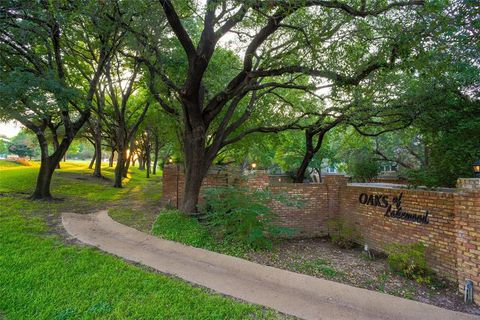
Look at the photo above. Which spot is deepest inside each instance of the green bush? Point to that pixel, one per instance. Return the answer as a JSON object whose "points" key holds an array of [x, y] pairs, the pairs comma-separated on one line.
{"points": [[409, 260], [363, 166], [177, 226], [243, 215], [342, 234]]}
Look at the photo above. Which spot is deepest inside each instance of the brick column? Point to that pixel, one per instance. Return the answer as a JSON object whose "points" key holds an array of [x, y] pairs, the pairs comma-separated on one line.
{"points": [[171, 185], [335, 183], [467, 223]]}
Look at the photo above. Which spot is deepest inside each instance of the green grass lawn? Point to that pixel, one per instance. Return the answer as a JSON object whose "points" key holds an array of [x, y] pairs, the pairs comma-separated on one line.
{"points": [[42, 277]]}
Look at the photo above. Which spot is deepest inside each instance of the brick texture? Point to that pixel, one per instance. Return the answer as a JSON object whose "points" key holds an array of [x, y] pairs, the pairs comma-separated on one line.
{"points": [[378, 231]]}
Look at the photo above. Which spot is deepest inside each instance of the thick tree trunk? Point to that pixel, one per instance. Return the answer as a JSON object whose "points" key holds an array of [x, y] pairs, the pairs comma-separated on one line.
{"points": [[44, 178], [310, 152], [196, 167], [300, 175], [90, 166], [48, 165], [120, 167]]}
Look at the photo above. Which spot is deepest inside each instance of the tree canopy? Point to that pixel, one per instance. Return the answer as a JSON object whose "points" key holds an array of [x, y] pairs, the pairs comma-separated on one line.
{"points": [[284, 83]]}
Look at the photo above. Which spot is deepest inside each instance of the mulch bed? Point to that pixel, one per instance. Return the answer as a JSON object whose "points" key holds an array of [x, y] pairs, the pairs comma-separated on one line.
{"points": [[320, 258]]}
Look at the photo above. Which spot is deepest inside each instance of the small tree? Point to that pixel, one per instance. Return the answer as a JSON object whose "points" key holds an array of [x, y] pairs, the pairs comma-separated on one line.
{"points": [[21, 150], [363, 166]]}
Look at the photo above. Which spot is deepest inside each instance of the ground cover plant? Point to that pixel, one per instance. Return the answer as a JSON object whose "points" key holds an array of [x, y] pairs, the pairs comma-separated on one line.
{"points": [[410, 261], [316, 266], [43, 277]]}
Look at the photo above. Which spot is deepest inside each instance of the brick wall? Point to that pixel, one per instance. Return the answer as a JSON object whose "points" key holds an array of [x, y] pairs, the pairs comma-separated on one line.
{"points": [[378, 231], [452, 236], [310, 219]]}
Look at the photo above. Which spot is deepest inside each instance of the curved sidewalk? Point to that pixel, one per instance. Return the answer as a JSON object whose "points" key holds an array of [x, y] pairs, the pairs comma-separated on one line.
{"points": [[291, 293]]}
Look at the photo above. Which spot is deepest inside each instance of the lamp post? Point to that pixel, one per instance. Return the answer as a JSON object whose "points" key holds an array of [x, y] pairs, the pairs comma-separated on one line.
{"points": [[254, 165], [476, 169]]}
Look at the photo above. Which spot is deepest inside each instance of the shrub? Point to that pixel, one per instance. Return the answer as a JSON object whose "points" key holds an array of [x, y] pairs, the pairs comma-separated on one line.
{"points": [[409, 260], [342, 234], [176, 226], [243, 215], [21, 150], [362, 166]]}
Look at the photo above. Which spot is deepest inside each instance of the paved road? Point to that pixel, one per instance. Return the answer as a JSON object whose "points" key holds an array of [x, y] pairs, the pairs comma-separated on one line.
{"points": [[291, 293]]}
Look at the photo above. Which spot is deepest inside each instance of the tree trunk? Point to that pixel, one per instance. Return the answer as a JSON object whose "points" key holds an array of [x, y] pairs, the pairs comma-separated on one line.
{"points": [[130, 156], [90, 166], [148, 162], [55, 142], [426, 150], [141, 162], [44, 178], [196, 167], [120, 167], [98, 154], [194, 176], [319, 171], [155, 155], [310, 152], [47, 167], [112, 156], [307, 158], [155, 163], [126, 167], [300, 175]]}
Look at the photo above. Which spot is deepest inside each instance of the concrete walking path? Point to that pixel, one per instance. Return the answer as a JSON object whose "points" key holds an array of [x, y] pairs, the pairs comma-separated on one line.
{"points": [[288, 292]]}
